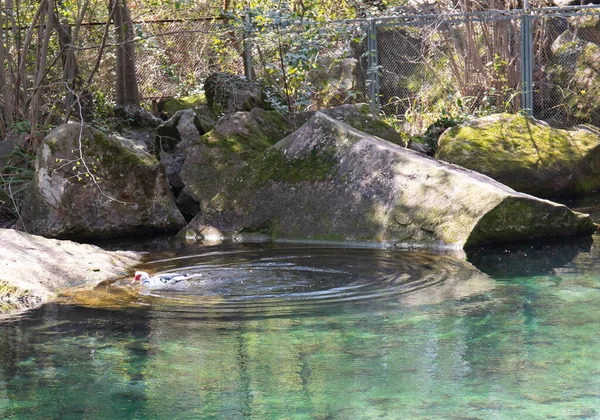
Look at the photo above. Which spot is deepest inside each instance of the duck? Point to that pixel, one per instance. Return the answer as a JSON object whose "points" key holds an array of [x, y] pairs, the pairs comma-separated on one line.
{"points": [[161, 280]]}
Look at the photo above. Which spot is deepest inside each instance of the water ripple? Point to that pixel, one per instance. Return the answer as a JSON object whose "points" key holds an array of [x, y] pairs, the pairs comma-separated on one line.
{"points": [[282, 281]]}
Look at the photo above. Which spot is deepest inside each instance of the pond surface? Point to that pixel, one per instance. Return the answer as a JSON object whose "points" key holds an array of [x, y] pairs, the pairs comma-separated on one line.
{"points": [[320, 333]]}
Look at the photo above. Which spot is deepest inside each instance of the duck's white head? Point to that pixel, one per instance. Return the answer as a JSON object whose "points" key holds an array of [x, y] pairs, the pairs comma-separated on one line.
{"points": [[140, 276]]}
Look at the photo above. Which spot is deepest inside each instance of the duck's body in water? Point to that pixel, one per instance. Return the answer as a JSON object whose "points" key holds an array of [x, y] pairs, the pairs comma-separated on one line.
{"points": [[162, 281]]}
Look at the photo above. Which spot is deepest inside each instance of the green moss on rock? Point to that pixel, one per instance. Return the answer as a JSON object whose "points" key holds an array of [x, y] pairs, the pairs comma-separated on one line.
{"points": [[328, 181], [275, 166], [171, 105], [518, 219], [525, 154]]}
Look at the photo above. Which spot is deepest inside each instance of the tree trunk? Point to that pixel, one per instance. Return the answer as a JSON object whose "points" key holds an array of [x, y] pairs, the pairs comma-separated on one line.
{"points": [[77, 95], [128, 94], [40, 65], [7, 98]]}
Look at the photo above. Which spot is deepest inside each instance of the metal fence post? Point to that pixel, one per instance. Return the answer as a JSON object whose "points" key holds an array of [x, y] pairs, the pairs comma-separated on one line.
{"points": [[526, 60], [372, 66], [248, 45]]}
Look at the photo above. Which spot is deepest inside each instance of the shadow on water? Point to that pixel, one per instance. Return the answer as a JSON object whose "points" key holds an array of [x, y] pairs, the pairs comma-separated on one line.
{"points": [[528, 259], [589, 204]]}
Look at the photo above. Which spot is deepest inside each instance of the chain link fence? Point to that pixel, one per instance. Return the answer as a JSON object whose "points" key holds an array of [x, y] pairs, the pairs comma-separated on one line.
{"points": [[435, 65], [310, 65], [172, 57], [545, 62], [567, 67], [417, 68]]}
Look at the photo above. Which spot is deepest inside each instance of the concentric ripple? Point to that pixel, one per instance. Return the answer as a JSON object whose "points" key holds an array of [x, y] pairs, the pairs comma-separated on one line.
{"points": [[280, 281]]}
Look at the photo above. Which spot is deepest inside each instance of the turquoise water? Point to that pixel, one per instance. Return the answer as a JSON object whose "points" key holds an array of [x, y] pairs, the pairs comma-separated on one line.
{"points": [[300, 333]]}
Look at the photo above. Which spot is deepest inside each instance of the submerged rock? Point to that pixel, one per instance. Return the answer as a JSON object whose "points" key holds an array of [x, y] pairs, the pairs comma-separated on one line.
{"points": [[91, 185], [526, 154], [328, 181]]}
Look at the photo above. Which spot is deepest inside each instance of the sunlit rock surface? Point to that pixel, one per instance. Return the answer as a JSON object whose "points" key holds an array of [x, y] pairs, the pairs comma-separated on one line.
{"points": [[328, 181], [526, 154], [33, 269], [199, 164], [91, 185]]}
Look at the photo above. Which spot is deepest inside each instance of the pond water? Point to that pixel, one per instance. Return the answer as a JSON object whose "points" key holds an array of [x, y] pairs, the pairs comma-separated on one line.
{"points": [[295, 332]]}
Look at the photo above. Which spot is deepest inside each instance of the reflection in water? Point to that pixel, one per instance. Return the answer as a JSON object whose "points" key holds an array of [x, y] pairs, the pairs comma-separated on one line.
{"points": [[528, 259], [315, 334]]}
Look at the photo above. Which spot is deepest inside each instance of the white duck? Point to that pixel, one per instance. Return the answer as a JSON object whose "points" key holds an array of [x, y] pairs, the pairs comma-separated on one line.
{"points": [[161, 280]]}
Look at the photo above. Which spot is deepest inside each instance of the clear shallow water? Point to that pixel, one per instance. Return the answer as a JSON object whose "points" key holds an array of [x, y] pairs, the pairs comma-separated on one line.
{"points": [[300, 333]]}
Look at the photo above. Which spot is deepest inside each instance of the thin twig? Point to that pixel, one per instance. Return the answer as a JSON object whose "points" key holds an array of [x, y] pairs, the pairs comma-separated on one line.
{"points": [[81, 158]]}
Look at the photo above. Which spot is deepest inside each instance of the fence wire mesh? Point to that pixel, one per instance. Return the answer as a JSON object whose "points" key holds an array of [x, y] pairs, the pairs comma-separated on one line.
{"points": [[432, 66], [173, 57], [427, 66], [567, 68], [448, 66], [310, 65]]}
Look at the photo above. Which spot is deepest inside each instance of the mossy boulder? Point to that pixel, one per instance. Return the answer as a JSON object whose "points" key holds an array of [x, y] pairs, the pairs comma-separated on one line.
{"points": [[215, 157], [90, 185], [358, 116], [169, 106], [172, 139], [526, 154], [329, 181]]}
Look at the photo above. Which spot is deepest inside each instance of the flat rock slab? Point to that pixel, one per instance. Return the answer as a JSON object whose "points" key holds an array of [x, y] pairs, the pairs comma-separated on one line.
{"points": [[331, 182], [33, 269]]}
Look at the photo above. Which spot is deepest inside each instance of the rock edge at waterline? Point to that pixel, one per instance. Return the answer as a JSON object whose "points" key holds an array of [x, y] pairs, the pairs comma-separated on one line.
{"points": [[34, 269], [331, 182]]}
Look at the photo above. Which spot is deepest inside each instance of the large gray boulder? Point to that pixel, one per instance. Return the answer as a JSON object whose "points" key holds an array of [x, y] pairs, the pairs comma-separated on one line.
{"points": [[91, 185], [328, 181], [172, 139], [199, 164], [358, 116]]}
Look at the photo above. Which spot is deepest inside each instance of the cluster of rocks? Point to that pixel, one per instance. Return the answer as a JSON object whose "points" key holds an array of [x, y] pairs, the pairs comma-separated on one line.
{"points": [[227, 167]]}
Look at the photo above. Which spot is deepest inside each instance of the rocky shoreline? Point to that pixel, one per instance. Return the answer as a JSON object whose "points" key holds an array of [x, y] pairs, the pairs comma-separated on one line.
{"points": [[34, 270]]}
